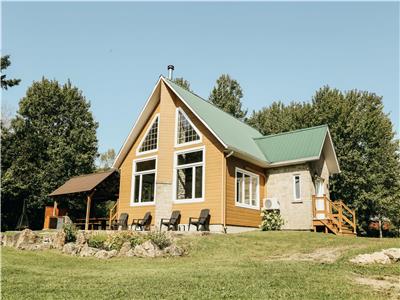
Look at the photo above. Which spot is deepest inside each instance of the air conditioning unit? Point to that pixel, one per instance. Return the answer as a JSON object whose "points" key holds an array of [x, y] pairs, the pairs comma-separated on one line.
{"points": [[271, 203]]}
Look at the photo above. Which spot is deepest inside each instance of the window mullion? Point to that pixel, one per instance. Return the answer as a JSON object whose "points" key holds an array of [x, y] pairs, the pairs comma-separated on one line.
{"points": [[193, 182], [140, 188], [250, 191]]}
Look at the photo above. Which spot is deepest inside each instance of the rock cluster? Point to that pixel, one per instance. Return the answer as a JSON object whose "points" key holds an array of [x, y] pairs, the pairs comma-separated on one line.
{"points": [[386, 256]]}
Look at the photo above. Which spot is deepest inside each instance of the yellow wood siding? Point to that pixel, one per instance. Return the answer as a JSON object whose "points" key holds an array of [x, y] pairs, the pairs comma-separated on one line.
{"points": [[213, 170], [240, 216]]}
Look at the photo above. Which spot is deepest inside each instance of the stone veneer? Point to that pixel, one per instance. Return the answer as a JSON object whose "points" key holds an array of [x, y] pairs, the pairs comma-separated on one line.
{"points": [[163, 202], [296, 214]]}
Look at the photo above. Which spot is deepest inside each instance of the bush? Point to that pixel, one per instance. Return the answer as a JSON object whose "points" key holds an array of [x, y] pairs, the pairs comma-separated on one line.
{"points": [[97, 241], [70, 232], [271, 220], [115, 241], [159, 238]]}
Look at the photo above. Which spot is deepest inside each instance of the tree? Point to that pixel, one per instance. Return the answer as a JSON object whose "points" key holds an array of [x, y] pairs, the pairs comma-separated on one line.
{"points": [[106, 160], [364, 142], [6, 83], [227, 95], [52, 138], [182, 83]]}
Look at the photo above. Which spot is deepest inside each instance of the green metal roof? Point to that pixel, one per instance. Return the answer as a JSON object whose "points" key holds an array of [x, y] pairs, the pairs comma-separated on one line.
{"points": [[233, 132], [293, 145]]}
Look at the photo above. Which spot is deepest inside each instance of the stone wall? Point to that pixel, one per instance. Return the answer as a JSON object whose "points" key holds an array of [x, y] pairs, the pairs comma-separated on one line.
{"points": [[296, 214], [163, 202]]}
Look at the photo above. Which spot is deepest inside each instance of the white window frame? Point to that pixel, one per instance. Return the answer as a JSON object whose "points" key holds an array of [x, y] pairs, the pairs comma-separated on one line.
{"points": [[252, 175], [138, 153], [200, 140], [295, 199], [193, 165], [134, 173]]}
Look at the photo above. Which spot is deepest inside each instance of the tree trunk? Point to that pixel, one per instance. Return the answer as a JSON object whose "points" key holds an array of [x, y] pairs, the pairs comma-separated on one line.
{"points": [[380, 227]]}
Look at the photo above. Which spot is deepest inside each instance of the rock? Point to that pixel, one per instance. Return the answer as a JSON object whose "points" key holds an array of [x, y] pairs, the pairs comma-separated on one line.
{"points": [[87, 251], [81, 238], [174, 250], [71, 249], [26, 238], [376, 257], [147, 249], [393, 254], [58, 240], [130, 253], [126, 247], [103, 254], [67, 220], [10, 240]]}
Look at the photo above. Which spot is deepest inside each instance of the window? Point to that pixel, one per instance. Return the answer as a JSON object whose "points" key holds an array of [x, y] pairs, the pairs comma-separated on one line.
{"points": [[189, 176], [150, 141], [144, 181], [186, 132], [247, 189], [296, 188]]}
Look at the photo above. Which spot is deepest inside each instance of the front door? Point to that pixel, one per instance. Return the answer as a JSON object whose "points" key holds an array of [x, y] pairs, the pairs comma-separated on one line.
{"points": [[320, 199]]}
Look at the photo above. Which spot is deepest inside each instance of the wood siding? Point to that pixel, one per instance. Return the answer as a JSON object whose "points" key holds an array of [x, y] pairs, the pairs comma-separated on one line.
{"points": [[240, 216]]}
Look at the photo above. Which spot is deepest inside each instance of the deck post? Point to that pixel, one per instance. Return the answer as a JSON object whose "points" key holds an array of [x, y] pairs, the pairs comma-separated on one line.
{"points": [[88, 203]]}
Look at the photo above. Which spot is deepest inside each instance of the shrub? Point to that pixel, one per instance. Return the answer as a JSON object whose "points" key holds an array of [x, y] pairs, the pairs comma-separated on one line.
{"points": [[97, 241], [159, 238], [70, 232], [271, 220], [115, 241]]}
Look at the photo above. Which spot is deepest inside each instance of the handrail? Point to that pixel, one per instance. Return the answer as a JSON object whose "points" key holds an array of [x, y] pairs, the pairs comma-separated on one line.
{"points": [[113, 214]]}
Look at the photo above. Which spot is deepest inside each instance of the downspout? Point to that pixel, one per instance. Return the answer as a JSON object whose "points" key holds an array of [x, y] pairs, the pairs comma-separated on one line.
{"points": [[224, 171]]}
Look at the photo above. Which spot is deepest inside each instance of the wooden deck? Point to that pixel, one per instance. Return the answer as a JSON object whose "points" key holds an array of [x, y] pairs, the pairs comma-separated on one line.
{"points": [[333, 216]]}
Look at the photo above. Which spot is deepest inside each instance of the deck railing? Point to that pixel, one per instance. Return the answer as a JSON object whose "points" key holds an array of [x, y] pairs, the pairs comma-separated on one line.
{"points": [[113, 213]]}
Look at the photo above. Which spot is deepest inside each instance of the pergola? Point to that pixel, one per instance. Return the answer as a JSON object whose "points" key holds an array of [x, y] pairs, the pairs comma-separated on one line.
{"points": [[94, 187]]}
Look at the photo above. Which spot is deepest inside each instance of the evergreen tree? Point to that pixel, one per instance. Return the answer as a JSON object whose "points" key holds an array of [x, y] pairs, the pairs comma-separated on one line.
{"points": [[227, 95], [6, 83], [182, 83], [52, 138]]}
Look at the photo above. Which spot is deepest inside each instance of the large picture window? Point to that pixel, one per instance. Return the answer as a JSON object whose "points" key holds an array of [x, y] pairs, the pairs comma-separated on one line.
{"points": [[247, 189], [189, 175], [150, 140], [144, 181], [186, 132]]}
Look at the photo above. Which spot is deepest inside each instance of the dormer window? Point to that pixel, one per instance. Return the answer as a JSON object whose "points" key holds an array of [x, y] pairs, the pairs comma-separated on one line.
{"points": [[186, 132], [150, 141]]}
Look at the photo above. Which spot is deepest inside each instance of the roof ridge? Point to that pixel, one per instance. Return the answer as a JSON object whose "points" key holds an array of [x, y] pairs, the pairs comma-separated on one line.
{"points": [[289, 132], [94, 173], [212, 104]]}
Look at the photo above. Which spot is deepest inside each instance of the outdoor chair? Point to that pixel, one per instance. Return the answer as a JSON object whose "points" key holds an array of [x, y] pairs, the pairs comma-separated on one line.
{"points": [[202, 222], [123, 222], [173, 222], [142, 224]]}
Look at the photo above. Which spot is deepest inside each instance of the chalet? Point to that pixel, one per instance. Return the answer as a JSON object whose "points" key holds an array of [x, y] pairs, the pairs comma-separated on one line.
{"points": [[183, 153]]}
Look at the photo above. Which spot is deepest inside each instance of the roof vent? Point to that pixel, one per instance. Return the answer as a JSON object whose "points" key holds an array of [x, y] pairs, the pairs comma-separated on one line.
{"points": [[170, 71]]}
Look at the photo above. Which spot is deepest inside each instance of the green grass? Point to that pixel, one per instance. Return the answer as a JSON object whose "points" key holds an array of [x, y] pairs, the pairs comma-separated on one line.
{"points": [[218, 266]]}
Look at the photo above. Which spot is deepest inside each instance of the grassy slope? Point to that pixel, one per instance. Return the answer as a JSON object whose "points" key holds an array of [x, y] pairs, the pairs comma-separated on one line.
{"points": [[218, 266]]}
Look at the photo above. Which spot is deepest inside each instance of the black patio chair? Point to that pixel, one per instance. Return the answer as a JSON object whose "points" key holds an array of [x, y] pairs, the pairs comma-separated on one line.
{"points": [[142, 224], [173, 222], [202, 222], [123, 222]]}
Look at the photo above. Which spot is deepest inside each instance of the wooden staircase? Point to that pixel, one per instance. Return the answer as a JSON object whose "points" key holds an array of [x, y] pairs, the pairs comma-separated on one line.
{"points": [[113, 214], [333, 216]]}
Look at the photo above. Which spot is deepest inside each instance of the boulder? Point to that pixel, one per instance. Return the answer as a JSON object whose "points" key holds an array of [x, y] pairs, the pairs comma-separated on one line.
{"points": [[147, 249], [10, 240], [71, 249], [393, 254], [81, 238], [58, 240], [174, 250], [126, 247], [87, 251], [373, 258], [26, 238], [103, 254], [130, 253]]}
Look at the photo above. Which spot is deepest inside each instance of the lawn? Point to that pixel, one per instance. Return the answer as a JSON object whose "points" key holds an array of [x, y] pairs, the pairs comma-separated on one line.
{"points": [[251, 265]]}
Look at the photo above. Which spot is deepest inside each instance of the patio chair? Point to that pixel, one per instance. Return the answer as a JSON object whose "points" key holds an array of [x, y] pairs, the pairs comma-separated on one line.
{"points": [[123, 222], [173, 222], [202, 222], [142, 224]]}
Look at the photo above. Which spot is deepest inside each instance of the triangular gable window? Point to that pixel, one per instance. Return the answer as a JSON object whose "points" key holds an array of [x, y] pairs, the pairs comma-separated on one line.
{"points": [[150, 141], [186, 131]]}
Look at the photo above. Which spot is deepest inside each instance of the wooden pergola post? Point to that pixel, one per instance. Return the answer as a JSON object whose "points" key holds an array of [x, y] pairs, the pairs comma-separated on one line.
{"points": [[88, 203]]}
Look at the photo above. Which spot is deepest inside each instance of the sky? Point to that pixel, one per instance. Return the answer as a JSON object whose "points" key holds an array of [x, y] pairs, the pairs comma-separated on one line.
{"points": [[115, 52]]}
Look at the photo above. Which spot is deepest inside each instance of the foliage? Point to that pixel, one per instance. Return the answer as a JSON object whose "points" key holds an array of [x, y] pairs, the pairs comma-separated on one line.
{"points": [[115, 241], [52, 138], [6, 83], [70, 232], [227, 95], [97, 241], [364, 142], [106, 160], [182, 82], [160, 238], [271, 220]]}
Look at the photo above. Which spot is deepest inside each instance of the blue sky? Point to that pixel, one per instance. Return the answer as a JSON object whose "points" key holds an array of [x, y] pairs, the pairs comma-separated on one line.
{"points": [[114, 52]]}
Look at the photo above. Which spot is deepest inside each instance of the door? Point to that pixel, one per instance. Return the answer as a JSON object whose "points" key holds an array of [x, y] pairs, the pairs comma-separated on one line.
{"points": [[320, 199]]}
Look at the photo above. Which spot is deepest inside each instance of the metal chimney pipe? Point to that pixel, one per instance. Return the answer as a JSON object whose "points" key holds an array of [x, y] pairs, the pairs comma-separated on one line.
{"points": [[170, 71]]}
